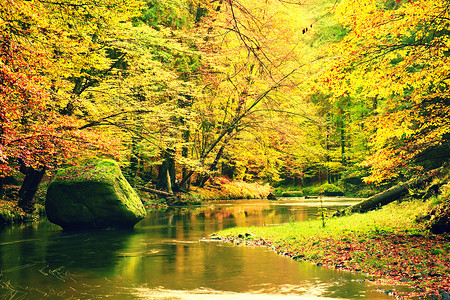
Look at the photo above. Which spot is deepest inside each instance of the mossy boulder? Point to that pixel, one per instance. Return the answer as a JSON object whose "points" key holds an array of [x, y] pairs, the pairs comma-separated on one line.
{"points": [[95, 196]]}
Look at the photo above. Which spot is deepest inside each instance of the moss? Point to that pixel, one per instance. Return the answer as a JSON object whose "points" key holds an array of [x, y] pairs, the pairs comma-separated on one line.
{"points": [[437, 218], [93, 196], [292, 194], [104, 171], [329, 189]]}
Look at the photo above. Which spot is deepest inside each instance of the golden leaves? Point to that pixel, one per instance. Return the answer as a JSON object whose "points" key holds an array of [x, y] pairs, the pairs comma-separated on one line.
{"points": [[397, 56], [46, 47]]}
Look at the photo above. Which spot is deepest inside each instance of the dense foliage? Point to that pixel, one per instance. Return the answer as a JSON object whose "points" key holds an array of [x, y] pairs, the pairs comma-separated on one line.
{"points": [[184, 90]]}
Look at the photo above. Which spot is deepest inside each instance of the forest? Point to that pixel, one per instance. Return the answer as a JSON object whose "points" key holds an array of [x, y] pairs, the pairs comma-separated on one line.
{"points": [[180, 102], [190, 93]]}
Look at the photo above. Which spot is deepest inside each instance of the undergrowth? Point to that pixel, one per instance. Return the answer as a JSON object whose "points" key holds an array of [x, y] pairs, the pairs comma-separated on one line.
{"points": [[224, 189]]}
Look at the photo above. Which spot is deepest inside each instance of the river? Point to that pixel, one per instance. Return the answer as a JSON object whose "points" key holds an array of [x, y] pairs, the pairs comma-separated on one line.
{"points": [[165, 257]]}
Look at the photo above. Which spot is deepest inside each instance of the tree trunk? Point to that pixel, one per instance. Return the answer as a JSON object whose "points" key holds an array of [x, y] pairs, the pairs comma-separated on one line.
{"points": [[327, 156], [153, 191], [29, 188], [2, 190], [166, 174], [383, 198], [201, 12], [133, 170], [184, 153], [213, 166], [342, 131], [234, 124], [169, 182], [2, 143]]}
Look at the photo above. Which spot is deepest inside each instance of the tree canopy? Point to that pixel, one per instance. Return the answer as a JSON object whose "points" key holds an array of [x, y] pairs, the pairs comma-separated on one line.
{"points": [[182, 90]]}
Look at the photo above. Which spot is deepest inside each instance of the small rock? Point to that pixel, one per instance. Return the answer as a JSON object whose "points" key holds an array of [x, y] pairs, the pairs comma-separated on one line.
{"points": [[416, 276], [297, 257], [319, 264], [404, 280], [271, 197]]}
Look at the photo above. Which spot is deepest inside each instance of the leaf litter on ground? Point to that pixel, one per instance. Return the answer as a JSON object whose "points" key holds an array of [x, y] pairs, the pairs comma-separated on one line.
{"points": [[387, 245]]}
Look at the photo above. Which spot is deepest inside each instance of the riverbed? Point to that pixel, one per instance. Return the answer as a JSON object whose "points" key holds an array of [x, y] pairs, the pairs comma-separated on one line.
{"points": [[167, 257]]}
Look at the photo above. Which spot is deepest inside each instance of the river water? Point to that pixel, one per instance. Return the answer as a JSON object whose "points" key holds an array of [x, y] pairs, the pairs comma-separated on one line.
{"points": [[164, 257]]}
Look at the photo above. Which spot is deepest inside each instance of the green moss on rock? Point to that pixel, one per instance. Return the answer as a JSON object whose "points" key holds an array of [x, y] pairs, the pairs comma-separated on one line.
{"points": [[93, 196], [328, 189]]}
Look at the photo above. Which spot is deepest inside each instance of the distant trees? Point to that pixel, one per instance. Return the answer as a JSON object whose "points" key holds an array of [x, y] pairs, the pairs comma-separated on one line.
{"points": [[393, 60]]}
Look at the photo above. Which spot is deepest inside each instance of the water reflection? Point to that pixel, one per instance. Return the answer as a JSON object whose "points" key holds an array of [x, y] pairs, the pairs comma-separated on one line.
{"points": [[164, 258], [200, 294]]}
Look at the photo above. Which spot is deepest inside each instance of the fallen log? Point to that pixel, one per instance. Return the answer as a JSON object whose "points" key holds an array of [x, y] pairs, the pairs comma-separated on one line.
{"points": [[385, 197], [153, 191]]}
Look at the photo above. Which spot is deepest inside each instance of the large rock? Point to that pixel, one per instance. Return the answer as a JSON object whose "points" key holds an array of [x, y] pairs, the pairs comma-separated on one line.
{"points": [[96, 196]]}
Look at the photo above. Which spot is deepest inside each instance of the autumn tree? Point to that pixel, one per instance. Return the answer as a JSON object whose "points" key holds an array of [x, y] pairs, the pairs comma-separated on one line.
{"points": [[47, 53], [394, 58], [252, 52]]}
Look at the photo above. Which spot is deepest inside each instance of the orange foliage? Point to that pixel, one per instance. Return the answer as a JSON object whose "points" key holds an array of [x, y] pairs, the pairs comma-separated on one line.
{"points": [[29, 129]]}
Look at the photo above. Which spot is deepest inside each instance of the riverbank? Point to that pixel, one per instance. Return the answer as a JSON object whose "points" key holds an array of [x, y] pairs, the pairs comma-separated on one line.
{"points": [[11, 213], [219, 189], [388, 245]]}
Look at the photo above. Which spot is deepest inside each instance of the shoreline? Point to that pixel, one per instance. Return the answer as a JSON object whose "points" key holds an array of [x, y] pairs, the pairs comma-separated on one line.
{"points": [[385, 255], [376, 277]]}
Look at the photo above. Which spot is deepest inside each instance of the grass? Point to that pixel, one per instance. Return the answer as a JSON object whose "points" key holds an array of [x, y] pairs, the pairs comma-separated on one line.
{"points": [[387, 243], [392, 218], [11, 213]]}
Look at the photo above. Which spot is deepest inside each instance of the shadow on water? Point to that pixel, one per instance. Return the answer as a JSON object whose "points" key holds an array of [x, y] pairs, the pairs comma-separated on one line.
{"points": [[164, 258]]}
